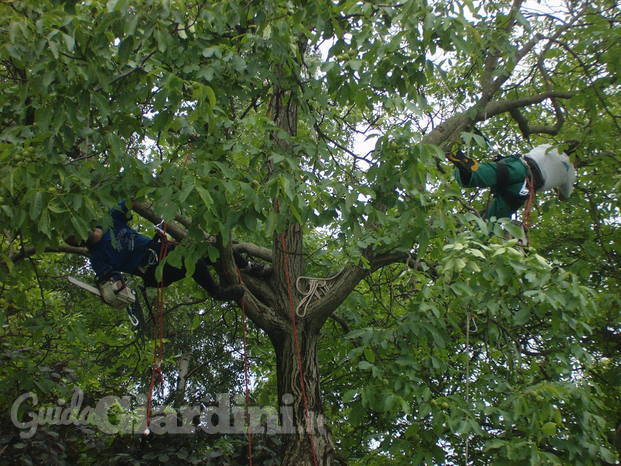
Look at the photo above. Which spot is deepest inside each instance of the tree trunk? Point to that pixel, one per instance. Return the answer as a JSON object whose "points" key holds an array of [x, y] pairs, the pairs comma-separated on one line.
{"points": [[297, 368], [310, 443]]}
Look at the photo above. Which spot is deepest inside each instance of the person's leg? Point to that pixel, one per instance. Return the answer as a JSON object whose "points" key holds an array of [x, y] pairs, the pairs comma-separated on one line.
{"points": [[240, 261], [170, 275], [511, 195], [201, 276], [500, 208]]}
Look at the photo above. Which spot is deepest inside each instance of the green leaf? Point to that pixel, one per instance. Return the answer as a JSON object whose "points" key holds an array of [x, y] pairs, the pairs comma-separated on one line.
{"points": [[355, 64], [205, 196], [349, 396], [271, 221], [549, 428], [365, 365], [44, 224], [522, 316], [69, 42], [36, 206], [81, 227], [116, 145], [211, 96], [369, 354], [53, 45], [188, 187], [495, 444], [11, 182]]}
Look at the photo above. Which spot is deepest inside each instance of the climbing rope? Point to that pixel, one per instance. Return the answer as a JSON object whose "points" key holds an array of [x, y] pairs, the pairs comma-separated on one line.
{"points": [[158, 330], [296, 344], [246, 373], [317, 288], [530, 201]]}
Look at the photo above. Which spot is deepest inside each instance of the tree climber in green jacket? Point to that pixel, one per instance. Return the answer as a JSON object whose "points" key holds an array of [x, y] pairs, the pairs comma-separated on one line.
{"points": [[509, 177]]}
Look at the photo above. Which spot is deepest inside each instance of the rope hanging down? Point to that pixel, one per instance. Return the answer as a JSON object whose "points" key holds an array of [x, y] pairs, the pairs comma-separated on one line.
{"points": [[530, 201], [296, 344], [528, 205], [246, 373], [158, 330]]}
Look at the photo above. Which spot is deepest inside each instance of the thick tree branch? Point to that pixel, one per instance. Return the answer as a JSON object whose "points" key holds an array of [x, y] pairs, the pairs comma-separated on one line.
{"points": [[28, 252], [254, 250], [527, 129], [344, 284], [144, 210], [450, 130], [259, 300], [503, 106], [341, 288], [260, 314]]}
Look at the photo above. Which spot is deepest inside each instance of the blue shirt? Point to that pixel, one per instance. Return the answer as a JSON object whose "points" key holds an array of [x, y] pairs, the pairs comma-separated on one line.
{"points": [[121, 249]]}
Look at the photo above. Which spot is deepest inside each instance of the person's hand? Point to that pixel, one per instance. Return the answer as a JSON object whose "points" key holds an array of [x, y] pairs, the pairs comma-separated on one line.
{"points": [[94, 237], [560, 195]]}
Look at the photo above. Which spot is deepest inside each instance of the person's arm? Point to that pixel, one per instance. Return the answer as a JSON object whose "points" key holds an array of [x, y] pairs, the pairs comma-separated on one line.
{"points": [[120, 215], [565, 189], [564, 192], [104, 271], [464, 165]]}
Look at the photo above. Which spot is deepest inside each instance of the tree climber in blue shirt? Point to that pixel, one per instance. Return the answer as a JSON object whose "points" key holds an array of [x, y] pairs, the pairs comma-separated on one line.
{"points": [[121, 249]]}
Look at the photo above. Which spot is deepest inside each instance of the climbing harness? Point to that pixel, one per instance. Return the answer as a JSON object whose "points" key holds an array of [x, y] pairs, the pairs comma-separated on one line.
{"points": [[132, 314], [246, 373], [530, 201], [317, 289], [296, 344], [502, 183]]}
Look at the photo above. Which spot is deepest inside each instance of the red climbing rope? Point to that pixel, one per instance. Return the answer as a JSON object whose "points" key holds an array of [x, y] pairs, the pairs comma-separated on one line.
{"points": [[298, 354], [530, 201], [246, 373], [158, 332]]}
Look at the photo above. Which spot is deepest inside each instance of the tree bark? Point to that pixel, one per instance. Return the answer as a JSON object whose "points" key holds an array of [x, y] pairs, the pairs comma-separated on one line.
{"points": [[298, 381]]}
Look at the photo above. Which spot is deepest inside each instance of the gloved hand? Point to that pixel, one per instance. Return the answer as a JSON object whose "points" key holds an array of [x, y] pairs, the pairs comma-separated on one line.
{"points": [[116, 293], [464, 164], [462, 160]]}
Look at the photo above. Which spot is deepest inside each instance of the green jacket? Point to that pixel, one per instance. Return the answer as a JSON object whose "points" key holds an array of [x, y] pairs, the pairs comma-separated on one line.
{"points": [[505, 200]]}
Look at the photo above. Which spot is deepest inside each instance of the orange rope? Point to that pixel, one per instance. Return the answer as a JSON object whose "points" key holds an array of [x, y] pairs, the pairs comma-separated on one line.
{"points": [[246, 372], [296, 344], [530, 201], [158, 334]]}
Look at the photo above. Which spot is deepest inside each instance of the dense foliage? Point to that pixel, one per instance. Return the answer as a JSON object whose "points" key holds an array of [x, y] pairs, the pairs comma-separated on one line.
{"points": [[476, 350]]}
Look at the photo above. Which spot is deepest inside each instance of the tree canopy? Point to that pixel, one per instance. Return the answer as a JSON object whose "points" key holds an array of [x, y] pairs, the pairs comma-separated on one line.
{"points": [[311, 135]]}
